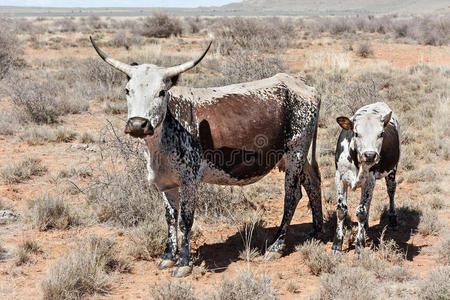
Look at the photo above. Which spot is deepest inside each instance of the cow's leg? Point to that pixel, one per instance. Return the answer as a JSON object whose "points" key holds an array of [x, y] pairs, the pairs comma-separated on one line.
{"points": [[341, 212], [171, 202], [185, 221], [391, 185], [362, 211], [292, 194], [310, 180]]}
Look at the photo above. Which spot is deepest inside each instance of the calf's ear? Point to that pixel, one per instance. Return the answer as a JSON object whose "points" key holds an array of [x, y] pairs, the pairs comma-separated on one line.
{"points": [[345, 123], [386, 120]]}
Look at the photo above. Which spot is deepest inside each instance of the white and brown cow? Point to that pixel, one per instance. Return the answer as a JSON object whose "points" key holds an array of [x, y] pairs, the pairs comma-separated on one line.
{"points": [[368, 148], [231, 135]]}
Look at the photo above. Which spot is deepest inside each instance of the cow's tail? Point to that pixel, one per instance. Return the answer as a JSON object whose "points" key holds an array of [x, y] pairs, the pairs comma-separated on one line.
{"points": [[314, 163]]}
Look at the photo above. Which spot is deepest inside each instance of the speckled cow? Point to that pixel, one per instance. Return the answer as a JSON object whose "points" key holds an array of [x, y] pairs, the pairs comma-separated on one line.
{"points": [[231, 135], [368, 148]]}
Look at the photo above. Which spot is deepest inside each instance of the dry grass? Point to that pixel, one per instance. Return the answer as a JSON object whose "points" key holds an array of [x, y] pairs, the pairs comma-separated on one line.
{"points": [[42, 134], [444, 252], [245, 286], [429, 223], [23, 170], [161, 25], [172, 290], [317, 259], [10, 48], [87, 269], [51, 212], [25, 250], [437, 285], [364, 49], [147, 240]]}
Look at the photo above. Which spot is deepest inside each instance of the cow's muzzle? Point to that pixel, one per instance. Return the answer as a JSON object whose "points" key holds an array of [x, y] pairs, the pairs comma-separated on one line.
{"points": [[370, 157], [139, 127]]}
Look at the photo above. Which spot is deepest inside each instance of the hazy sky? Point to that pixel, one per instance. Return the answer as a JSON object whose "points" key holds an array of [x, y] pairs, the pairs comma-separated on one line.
{"points": [[117, 3]]}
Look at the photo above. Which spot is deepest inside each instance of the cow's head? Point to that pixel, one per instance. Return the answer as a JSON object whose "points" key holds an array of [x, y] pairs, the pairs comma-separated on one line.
{"points": [[368, 131], [146, 91]]}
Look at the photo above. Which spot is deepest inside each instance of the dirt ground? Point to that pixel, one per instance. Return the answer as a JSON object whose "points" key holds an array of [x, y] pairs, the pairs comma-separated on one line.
{"points": [[215, 249]]}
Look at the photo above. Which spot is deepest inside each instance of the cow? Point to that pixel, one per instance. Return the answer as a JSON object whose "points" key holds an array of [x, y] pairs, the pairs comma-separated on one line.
{"points": [[368, 148], [230, 135]]}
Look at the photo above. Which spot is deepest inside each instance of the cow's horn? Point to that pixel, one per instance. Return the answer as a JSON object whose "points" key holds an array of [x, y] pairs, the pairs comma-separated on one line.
{"points": [[173, 71], [126, 68]]}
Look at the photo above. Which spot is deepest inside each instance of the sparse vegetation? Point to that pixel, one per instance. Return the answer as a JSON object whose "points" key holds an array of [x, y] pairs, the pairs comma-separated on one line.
{"points": [[51, 212], [316, 257], [10, 48], [23, 170], [437, 285], [173, 290], [245, 286], [39, 135], [86, 270], [161, 25], [25, 250], [364, 49]]}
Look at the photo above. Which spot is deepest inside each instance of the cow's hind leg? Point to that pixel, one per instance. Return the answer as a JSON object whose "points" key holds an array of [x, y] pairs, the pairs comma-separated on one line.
{"points": [[171, 201], [292, 194], [391, 185], [341, 212], [310, 180], [362, 212], [186, 220]]}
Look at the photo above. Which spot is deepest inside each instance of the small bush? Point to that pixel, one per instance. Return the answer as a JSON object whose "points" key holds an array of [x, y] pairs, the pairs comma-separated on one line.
{"points": [[23, 170], [85, 271], [437, 285], [422, 175], [10, 48], [316, 258], [24, 251], [160, 25], [444, 252], [39, 135], [245, 286], [364, 49], [51, 212], [172, 290], [429, 223], [148, 240]]}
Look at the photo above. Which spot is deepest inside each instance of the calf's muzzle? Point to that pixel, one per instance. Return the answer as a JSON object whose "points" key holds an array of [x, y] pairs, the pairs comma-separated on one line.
{"points": [[138, 127], [370, 156]]}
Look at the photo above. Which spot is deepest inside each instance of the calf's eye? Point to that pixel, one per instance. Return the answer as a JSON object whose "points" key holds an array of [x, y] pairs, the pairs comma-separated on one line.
{"points": [[162, 93], [381, 135], [127, 91], [356, 134]]}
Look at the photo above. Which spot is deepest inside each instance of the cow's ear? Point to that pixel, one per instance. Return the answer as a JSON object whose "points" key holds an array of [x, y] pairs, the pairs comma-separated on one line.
{"points": [[386, 120], [345, 123]]}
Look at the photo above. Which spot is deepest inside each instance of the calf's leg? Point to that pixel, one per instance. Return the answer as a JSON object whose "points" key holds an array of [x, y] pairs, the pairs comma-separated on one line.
{"points": [[341, 212], [362, 212], [391, 185], [171, 202]]}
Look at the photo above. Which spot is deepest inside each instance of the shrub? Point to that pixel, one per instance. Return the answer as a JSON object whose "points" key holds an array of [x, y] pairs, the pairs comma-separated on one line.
{"points": [[254, 34], [51, 212], [429, 223], [444, 252], [24, 251], [10, 48], [148, 240], [316, 258], [85, 271], [364, 49], [172, 290], [437, 285], [160, 25], [23, 170], [65, 25], [39, 135], [245, 286]]}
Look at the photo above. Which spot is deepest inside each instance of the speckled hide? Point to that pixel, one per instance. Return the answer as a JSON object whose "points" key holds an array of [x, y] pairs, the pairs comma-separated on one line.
{"points": [[234, 135], [368, 148]]}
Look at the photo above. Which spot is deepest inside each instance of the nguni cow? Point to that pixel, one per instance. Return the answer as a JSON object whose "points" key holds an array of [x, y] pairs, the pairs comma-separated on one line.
{"points": [[230, 135], [368, 148]]}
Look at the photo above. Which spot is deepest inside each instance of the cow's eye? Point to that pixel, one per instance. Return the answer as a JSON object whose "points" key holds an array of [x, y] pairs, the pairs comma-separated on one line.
{"points": [[127, 91], [381, 134], [162, 93], [356, 134]]}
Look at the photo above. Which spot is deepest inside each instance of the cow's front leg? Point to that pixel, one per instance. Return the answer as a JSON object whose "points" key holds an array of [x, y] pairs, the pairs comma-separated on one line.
{"points": [[186, 219], [171, 202], [391, 185], [341, 212], [362, 212]]}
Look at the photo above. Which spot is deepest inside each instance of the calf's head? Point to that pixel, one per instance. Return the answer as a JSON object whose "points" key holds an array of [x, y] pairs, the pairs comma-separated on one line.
{"points": [[368, 131], [146, 91]]}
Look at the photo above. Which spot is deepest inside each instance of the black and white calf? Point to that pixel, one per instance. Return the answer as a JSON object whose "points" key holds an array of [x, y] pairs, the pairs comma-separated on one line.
{"points": [[368, 148]]}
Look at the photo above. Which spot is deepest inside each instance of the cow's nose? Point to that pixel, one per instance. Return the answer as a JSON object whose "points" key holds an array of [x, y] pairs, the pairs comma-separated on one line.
{"points": [[138, 127], [369, 156]]}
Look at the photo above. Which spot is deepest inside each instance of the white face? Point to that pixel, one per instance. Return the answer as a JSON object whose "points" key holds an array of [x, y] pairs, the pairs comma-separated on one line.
{"points": [[368, 137], [147, 93]]}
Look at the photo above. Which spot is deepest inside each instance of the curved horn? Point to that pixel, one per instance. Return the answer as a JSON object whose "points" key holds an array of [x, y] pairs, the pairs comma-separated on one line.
{"points": [[113, 62], [173, 71]]}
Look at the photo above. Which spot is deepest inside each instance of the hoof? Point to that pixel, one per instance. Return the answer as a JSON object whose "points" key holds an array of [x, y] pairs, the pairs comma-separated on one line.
{"points": [[165, 264], [272, 255], [181, 272]]}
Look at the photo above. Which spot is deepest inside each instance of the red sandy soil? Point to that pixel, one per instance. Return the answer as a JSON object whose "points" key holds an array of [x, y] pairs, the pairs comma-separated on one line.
{"points": [[215, 249]]}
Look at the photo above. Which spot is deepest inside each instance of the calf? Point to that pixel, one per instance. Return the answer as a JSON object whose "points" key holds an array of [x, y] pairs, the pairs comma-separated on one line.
{"points": [[368, 148]]}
